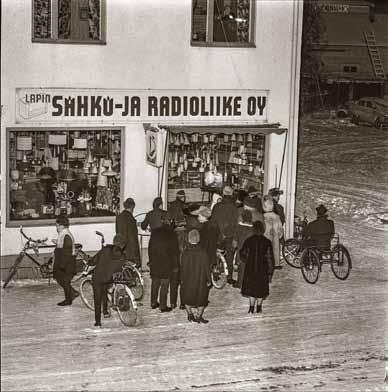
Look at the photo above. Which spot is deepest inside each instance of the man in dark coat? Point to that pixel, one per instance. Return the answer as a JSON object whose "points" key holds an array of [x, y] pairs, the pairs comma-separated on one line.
{"points": [[177, 208], [320, 231], [155, 217], [196, 281], [209, 234], [225, 216], [127, 227], [164, 254], [108, 260], [257, 255], [64, 260]]}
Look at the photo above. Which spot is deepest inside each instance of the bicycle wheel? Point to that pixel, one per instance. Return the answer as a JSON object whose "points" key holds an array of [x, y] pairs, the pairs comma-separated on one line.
{"points": [[81, 262], [13, 269], [219, 274], [125, 304], [86, 292], [135, 281], [341, 263], [310, 265], [291, 250]]}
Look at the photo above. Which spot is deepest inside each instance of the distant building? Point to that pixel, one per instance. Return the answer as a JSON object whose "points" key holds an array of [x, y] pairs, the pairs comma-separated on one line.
{"points": [[353, 50]]}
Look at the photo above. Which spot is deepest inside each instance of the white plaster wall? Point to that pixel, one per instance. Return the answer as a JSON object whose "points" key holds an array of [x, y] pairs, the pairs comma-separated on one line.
{"points": [[148, 46]]}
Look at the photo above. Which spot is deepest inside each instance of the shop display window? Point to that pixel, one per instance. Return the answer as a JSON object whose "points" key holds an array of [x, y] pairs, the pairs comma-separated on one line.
{"points": [[204, 163], [222, 22], [68, 21], [72, 172]]}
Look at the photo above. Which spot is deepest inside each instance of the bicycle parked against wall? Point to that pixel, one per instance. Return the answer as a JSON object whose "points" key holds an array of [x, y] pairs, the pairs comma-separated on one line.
{"points": [[31, 249]]}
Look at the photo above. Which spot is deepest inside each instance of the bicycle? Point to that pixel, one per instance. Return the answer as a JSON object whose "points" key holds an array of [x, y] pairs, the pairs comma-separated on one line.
{"points": [[132, 275], [120, 296], [45, 268], [219, 271], [291, 248]]}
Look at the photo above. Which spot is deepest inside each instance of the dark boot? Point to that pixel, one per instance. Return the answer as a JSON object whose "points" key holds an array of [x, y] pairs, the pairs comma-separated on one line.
{"points": [[258, 309], [251, 309]]}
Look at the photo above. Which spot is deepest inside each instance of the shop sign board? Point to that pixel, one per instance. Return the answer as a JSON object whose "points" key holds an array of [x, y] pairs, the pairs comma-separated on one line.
{"points": [[53, 105]]}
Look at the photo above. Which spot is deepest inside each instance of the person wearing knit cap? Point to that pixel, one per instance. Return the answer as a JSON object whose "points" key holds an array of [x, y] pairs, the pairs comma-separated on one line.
{"points": [[195, 277], [225, 216], [320, 231], [273, 228]]}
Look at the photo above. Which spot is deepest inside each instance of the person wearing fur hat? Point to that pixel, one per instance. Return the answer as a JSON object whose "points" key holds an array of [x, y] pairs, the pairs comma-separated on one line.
{"points": [[107, 261], [256, 253], [320, 231], [225, 216], [216, 198], [209, 233], [273, 228], [196, 280]]}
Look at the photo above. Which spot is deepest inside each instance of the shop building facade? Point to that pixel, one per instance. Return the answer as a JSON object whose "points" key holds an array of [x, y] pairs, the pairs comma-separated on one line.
{"points": [[107, 100]]}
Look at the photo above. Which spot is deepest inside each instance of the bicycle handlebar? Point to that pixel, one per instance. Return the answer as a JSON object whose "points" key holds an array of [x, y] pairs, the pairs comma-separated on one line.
{"points": [[38, 241]]}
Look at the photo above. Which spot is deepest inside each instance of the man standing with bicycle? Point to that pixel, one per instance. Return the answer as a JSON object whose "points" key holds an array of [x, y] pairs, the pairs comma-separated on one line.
{"points": [[64, 260], [108, 260], [127, 227]]}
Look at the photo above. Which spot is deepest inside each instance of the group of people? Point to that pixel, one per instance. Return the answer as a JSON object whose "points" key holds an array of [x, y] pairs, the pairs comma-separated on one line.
{"points": [[183, 248]]}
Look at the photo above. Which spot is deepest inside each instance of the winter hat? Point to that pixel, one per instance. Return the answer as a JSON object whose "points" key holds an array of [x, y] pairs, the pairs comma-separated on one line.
{"points": [[180, 194], [267, 203], [252, 191], [193, 236], [228, 191], [216, 198], [321, 210]]}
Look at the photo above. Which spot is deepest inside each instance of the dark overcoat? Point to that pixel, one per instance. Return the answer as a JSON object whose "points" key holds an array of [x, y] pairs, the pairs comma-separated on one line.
{"points": [[209, 238], [108, 260], [257, 255], [64, 261], [195, 276], [225, 216], [127, 227], [163, 251], [320, 232]]}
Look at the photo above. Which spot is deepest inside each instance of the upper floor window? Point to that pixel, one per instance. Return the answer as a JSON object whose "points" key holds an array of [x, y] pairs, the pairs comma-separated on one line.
{"points": [[68, 21], [223, 23]]}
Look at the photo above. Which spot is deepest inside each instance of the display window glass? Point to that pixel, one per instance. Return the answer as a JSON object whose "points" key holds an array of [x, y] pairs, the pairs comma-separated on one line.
{"points": [[67, 21], [204, 163], [72, 172], [222, 22]]}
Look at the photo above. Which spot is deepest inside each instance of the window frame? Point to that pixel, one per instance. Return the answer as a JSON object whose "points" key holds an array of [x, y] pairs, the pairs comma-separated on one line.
{"points": [[209, 29], [74, 220], [54, 27]]}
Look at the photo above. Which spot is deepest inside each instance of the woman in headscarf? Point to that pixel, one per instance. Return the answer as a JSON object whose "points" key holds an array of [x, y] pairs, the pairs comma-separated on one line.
{"points": [[273, 228], [195, 276], [257, 255]]}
